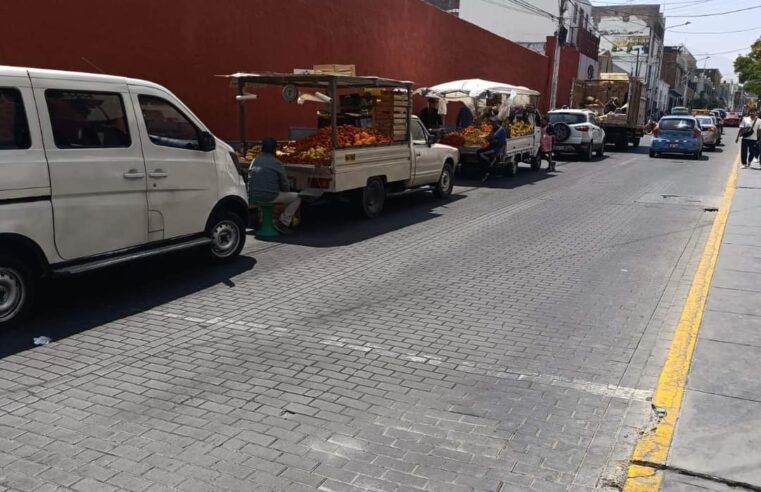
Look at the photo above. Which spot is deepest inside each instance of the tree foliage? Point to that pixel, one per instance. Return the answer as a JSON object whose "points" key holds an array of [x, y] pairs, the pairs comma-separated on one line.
{"points": [[748, 67]]}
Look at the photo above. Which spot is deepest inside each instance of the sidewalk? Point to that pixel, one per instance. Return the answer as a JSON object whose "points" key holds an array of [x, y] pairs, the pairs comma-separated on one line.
{"points": [[718, 433]]}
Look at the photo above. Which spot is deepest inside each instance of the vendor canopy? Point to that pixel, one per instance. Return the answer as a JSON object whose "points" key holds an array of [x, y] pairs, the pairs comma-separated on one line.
{"points": [[469, 89], [315, 80]]}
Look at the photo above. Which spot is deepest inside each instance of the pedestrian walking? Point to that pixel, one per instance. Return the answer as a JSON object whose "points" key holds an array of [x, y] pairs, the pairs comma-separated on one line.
{"points": [[546, 143], [750, 127]]}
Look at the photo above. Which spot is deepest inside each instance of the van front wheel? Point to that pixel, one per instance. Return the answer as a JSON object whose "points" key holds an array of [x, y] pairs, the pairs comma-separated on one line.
{"points": [[17, 288], [228, 235]]}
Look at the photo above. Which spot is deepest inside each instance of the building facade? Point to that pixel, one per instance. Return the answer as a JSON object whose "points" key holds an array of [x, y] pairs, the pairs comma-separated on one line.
{"points": [[678, 71], [531, 29], [634, 36], [709, 83]]}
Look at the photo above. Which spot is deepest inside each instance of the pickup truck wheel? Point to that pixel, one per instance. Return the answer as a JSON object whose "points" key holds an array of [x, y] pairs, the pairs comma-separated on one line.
{"points": [[17, 289], [228, 235], [444, 186], [636, 142], [372, 198]]}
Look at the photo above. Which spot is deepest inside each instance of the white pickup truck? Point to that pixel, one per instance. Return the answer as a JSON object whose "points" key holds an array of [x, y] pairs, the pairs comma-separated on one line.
{"points": [[371, 172], [367, 173]]}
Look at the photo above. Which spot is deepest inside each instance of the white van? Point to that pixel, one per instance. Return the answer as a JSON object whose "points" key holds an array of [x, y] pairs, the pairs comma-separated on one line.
{"points": [[97, 170]]}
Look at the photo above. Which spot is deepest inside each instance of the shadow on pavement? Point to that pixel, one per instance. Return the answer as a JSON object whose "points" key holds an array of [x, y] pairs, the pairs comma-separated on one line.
{"points": [[69, 306], [525, 176], [330, 224]]}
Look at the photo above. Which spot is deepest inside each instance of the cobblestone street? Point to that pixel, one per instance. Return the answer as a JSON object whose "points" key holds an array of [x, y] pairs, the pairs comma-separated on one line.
{"points": [[505, 340]]}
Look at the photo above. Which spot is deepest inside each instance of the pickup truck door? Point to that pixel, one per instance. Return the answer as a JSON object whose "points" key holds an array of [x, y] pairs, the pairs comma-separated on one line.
{"points": [[427, 167]]}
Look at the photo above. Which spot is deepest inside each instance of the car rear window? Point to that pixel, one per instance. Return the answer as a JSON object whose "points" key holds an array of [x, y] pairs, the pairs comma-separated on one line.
{"points": [[569, 118], [677, 124], [14, 130], [705, 121]]}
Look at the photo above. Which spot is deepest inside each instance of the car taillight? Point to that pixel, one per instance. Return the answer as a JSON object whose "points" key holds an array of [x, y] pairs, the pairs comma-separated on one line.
{"points": [[697, 133], [656, 131], [582, 128]]}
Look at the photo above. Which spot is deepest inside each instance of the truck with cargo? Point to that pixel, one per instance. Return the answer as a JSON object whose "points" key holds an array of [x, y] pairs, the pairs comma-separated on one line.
{"points": [[515, 106], [365, 144], [623, 125]]}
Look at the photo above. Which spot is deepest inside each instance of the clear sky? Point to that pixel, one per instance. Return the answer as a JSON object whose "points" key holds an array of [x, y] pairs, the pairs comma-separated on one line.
{"points": [[715, 46]]}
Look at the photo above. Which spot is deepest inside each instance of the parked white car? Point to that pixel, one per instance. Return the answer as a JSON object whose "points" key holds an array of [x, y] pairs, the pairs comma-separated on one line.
{"points": [[577, 131], [97, 170]]}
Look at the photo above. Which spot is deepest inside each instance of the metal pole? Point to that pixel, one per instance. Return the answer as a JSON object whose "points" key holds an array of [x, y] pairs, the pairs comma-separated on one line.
{"points": [[334, 111], [556, 57], [242, 118]]}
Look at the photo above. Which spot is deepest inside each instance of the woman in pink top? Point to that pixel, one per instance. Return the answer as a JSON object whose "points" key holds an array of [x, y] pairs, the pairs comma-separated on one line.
{"points": [[546, 143]]}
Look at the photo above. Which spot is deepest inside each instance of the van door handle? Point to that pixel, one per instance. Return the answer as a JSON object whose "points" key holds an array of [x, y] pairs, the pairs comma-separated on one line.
{"points": [[158, 173], [134, 174]]}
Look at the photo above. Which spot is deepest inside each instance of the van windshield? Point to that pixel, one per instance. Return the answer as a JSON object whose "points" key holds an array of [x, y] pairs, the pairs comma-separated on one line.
{"points": [[678, 124]]}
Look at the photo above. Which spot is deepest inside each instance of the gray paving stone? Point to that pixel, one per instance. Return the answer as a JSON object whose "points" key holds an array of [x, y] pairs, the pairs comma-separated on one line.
{"points": [[727, 369], [392, 354], [719, 436]]}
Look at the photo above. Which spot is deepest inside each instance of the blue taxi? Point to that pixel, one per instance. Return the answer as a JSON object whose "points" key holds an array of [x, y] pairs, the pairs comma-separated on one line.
{"points": [[677, 135]]}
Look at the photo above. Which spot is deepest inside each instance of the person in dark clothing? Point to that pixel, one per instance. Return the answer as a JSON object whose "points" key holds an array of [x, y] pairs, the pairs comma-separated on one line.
{"points": [[430, 115], [268, 183], [497, 139], [611, 106], [464, 117]]}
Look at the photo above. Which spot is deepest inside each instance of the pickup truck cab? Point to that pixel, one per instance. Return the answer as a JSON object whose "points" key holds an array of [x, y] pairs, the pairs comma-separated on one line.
{"points": [[97, 170]]}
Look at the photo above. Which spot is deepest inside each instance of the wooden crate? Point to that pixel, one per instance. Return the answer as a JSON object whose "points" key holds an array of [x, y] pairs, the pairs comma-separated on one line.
{"points": [[336, 69]]}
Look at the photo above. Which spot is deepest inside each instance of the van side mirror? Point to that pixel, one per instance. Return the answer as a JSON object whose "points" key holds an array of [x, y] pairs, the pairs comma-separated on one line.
{"points": [[207, 143]]}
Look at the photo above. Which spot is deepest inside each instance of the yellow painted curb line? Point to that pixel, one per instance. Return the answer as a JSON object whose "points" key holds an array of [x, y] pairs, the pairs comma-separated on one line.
{"points": [[652, 449]]}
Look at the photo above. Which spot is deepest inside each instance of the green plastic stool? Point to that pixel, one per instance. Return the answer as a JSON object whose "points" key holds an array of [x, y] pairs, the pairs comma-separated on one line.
{"points": [[266, 229]]}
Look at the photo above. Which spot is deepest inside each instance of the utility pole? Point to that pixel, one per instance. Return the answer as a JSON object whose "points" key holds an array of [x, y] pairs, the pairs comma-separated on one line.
{"points": [[556, 58]]}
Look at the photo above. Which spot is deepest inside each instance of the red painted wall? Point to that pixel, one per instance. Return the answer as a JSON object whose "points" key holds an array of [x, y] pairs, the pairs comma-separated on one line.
{"points": [[569, 69], [182, 44]]}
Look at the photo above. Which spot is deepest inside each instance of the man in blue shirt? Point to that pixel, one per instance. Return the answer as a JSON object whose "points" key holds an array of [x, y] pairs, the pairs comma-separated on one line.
{"points": [[268, 183], [497, 139]]}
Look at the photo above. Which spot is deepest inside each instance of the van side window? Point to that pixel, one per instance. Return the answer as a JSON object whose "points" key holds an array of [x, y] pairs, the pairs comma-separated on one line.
{"points": [[168, 126], [87, 119], [14, 129]]}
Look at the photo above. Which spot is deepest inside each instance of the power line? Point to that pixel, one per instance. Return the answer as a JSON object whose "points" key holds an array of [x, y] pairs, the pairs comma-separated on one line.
{"points": [[719, 32], [717, 13]]}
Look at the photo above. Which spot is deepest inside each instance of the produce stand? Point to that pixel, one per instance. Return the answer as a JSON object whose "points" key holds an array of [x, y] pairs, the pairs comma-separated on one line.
{"points": [[515, 107], [363, 131]]}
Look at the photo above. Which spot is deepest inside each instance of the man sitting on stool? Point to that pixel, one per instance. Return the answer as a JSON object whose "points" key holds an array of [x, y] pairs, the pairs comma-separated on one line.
{"points": [[268, 183], [497, 139]]}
